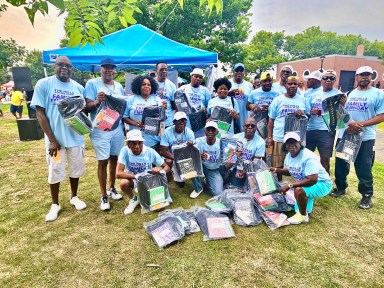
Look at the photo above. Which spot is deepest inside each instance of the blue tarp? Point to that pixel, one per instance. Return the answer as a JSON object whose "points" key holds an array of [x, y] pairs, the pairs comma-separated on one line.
{"points": [[134, 47]]}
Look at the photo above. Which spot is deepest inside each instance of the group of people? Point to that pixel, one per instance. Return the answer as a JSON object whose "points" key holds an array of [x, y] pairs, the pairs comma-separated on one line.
{"points": [[145, 152]]}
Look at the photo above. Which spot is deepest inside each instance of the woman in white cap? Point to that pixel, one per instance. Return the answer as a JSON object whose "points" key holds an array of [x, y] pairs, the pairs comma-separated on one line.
{"points": [[133, 159], [144, 87], [311, 179]]}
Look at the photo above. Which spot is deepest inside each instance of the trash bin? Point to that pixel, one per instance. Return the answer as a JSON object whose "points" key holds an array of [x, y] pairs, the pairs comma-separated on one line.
{"points": [[29, 129]]}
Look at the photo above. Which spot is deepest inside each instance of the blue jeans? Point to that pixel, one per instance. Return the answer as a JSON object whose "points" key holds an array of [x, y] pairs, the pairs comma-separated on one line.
{"points": [[213, 179]]}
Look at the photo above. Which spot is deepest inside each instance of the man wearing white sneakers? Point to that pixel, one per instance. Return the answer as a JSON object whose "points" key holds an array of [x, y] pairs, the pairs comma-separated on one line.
{"points": [[107, 144], [62, 143], [133, 159]]}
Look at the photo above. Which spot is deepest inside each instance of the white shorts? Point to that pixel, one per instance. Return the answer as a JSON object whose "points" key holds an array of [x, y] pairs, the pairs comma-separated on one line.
{"points": [[56, 165]]}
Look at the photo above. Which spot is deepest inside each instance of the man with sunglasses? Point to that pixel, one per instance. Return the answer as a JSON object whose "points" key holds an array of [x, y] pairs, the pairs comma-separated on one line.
{"points": [[318, 135], [107, 144], [253, 147], [165, 91], [241, 89], [281, 106], [62, 143], [175, 135], [365, 104], [198, 95]]}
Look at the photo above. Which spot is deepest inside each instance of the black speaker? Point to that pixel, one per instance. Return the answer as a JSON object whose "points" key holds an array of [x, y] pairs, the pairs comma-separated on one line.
{"points": [[29, 129], [22, 78]]}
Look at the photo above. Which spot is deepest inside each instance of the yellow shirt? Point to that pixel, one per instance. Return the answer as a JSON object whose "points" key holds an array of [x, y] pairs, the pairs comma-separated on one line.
{"points": [[16, 98]]}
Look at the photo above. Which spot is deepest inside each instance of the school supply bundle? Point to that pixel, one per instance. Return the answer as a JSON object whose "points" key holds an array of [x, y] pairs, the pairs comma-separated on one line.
{"points": [[153, 119], [221, 116], [334, 114], [261, 118], [187, 161], [182, 103], [298, 124], [348, 146], [110, 112], [228, 149]]}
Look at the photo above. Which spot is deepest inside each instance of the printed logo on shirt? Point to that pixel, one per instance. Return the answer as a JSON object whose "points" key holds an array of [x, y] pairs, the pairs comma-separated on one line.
{"points": [[288, 109], [136, 168], [213, 156], [296, 173], [139, 109], [240, 97], [162, 94], [357, 104], [195, 99], [247, 154], [263, 100], [59, 95]]}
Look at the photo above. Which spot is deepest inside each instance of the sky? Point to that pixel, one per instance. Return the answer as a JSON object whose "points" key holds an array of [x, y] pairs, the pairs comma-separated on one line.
{"points": [[340, 16]]}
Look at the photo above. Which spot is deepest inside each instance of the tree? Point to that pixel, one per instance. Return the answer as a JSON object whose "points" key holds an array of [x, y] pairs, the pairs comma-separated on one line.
{"points": [[83, 19], [264, 51], [35, 64], [10, 55]]}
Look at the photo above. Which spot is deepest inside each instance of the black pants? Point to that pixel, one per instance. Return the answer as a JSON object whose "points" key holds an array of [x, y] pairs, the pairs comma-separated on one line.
{"points": [[363, 166]]}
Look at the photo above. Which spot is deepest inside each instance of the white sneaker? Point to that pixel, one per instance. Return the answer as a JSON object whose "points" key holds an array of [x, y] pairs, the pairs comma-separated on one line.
{"points": [[298, 218], [195, 194], [104, 203], [53, 213], [114, 194], [131, 205], [79, 205]]}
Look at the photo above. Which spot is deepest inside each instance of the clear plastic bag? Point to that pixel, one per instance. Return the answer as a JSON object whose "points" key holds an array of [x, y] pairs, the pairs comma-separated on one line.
{"points": [[153, 190], [334, 114], [153, 120], [261, 118], [194, 226], [197, 120], [266, 182], [165, 230], [244, 212], [110, 112], [71, 110], [272, 202], [298, 124], [223, 119], [228, 150], [348, 146], [219, 204], [273, 220], [181, 215], [182, 103], [187, 161], [255, 165], [214, 225]]}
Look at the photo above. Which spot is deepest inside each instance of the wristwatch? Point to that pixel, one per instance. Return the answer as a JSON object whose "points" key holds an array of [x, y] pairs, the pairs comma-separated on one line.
{"points": [[290, 185]]}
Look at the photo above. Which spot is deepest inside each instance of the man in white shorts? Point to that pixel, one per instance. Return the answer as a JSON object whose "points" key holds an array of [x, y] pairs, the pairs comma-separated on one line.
{"points": [[62, 143]]}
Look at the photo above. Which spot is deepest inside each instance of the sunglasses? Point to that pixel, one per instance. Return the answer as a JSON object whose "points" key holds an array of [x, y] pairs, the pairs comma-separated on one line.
{"points": [[332, 78], [61, 65], [249, 125]]}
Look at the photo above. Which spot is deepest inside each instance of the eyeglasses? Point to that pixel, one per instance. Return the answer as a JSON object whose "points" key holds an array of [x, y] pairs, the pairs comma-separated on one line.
{"points": [[61, 65], [332, 78], [249, 125]]}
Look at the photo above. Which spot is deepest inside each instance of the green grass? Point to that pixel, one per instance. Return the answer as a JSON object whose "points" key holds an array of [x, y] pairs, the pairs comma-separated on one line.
{"points": [[342, 246]]}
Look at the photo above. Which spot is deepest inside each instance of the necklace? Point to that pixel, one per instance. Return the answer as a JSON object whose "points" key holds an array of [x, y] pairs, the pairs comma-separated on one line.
{"points": [[109, 89], [182, 134]]}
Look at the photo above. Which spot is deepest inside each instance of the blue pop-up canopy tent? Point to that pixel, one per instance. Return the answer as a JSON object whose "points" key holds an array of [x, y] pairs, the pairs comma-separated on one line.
{"points": [[134, 47]]}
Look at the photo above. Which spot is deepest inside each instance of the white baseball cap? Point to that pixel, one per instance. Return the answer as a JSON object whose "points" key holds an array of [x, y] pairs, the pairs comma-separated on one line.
{"points": [[364, 69], [287, 66], [313, 75], [197, 71], [135, 135], [291, 135], [211, 124], [180, 115]]}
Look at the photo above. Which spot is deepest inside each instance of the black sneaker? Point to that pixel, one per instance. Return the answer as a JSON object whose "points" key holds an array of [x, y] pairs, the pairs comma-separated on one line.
{"points": [[337, 193], [180, 184], [366, 202]]}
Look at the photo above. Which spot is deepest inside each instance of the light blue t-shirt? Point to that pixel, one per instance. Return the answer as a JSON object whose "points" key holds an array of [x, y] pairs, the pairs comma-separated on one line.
{"points": [[315, 101], [254, 148], [135, 109], [226, 103], [242, 99], [282, 90], [166, 92], [135, 164], [260, 97], [170, 137], [94, 86], [304, 164], [280, 107], [364, 105], [197, 97], [48, 92], [213, 151], [310, 91]]}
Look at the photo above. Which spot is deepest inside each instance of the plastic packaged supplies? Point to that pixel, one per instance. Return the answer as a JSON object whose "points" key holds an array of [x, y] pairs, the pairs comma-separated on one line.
{"points": [[197, 120], [251, 168], [220, 204], [71, 110], [110, 113], [182, 103], [214, 225], [165, 231], [182, 215], [223, 119], [266, 182], [228, 150], [348, 146], [153, 190], [298, 124], [244, 211], [261, 118], [187, 161], [334, 114], [153, 120], [273, 220], [273, 202]]}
